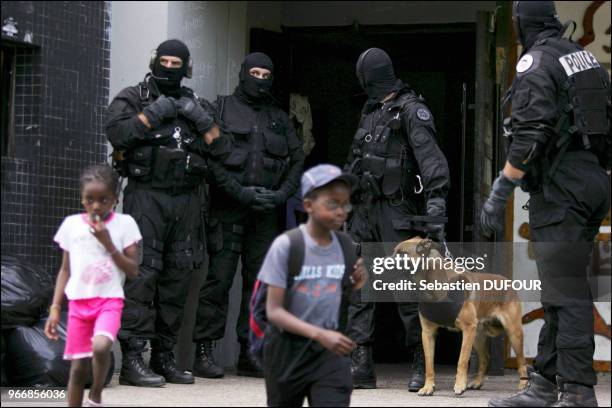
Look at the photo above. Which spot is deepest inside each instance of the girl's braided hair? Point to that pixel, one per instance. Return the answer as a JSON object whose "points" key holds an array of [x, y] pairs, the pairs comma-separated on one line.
{"points": [[101, 173]]}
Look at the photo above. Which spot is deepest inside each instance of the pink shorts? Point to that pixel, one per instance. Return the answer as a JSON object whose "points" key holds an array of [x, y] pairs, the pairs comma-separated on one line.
{"points": [[88, 318]]}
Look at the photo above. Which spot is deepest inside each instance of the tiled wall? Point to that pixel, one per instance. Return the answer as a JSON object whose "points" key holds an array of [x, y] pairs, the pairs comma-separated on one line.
{"points": [[61, 95]]}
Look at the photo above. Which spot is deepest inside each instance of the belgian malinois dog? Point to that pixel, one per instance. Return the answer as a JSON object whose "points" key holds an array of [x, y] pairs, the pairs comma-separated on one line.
{"points": [[476, 319]]}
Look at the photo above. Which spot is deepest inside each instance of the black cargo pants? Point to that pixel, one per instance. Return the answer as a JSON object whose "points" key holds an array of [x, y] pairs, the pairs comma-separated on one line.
{"points": [[232, 234], [172, 246], [564, 219], [381, 222]]}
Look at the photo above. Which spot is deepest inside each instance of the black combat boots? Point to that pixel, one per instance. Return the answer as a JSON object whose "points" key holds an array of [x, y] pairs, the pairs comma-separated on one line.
{"points": [[417, 381], [362, 368], [540, 392], [247, 366], [575, 395], [163, 363], [133, 369], [204, 364]]}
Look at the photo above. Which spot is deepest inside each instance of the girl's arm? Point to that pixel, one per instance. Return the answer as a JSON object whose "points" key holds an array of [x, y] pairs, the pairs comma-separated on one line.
{"points": [[127, 260], [58, 297], [281, 318]]}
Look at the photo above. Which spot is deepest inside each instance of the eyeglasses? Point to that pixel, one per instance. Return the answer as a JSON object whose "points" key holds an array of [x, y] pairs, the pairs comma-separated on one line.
{"points": [[334, 205]]}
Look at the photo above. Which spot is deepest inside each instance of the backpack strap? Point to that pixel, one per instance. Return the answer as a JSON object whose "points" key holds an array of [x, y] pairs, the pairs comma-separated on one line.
{"points": [[296, 255], [349, 250]]}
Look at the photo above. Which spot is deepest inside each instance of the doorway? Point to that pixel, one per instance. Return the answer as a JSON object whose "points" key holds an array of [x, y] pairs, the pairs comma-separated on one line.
{"points": [[319, 62]]}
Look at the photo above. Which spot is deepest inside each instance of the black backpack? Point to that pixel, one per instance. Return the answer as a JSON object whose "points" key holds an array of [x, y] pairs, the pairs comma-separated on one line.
{"points": [[258, 321]]}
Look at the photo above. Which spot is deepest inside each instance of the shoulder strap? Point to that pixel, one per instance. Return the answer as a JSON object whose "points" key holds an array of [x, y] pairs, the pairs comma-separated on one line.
{"points": [[350, 257], [221, 106], [296, 254]]}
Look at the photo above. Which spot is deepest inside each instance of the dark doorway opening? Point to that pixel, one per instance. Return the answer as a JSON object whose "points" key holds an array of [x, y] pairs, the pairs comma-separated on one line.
{"points": [[319, 62]]}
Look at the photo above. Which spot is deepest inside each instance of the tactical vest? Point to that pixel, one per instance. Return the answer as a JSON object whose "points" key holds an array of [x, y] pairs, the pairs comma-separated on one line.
{"points": [[383, 157], [165, 160], [260, 150], [583, 103]]}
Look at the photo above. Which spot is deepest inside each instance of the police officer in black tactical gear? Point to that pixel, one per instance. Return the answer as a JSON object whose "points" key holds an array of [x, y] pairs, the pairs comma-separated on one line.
{"points": [[262, 171], [404, 180], [161, 136], [560, 130]]}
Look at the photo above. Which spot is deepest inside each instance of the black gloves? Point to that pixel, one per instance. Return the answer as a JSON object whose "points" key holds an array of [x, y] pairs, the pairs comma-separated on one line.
{"points": [[436, 207], [262, 199], [163, 108], [194, 112], [492, 215]]}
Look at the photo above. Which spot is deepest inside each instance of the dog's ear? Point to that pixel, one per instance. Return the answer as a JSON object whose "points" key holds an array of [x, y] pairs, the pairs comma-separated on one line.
{"points": [[407, 246], [424, 247]]}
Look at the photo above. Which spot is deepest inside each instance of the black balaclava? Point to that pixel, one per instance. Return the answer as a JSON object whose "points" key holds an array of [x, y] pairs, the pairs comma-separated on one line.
{"points": [[168, 80], [531, 18], [251, 89], [375, 73]]}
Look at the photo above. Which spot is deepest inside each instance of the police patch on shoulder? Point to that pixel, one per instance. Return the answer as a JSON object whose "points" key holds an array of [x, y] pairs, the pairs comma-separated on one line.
{"points": [[528, 62], [524, 63], [423, 114]]}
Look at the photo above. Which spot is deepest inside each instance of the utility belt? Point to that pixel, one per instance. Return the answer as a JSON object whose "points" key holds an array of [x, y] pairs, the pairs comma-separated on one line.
{"points": [[173, 170], [245, 169], [389, 177]]}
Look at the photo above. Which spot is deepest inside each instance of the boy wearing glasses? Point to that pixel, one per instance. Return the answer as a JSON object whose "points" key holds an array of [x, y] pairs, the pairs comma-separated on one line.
{"points": [[306, 356]]}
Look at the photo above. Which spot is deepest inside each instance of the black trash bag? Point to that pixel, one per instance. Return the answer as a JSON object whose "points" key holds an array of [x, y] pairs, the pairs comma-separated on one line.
{"points": [[37, 361], [3, 382], [27, 290]]}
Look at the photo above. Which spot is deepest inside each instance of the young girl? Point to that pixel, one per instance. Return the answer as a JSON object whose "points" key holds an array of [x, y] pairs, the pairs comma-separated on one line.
{"points": [[100, 249]]}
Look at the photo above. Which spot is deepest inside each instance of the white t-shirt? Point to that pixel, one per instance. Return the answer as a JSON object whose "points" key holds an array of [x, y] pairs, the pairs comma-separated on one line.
{"points": [[92, 270]]}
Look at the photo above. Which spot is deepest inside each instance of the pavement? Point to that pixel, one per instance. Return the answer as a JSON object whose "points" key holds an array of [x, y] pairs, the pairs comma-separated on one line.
{"points": [[243, 391]]}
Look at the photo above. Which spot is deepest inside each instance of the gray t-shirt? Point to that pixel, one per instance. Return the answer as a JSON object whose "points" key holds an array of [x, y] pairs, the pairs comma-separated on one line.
{"points": [[317, 290]]}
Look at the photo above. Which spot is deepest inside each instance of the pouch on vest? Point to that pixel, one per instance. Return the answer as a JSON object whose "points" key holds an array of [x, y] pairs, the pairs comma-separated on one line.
{"points": [[169, 168], [140, 161], [274, 171], [195, 164], [376, 165], [393, 176], [276, 144]]}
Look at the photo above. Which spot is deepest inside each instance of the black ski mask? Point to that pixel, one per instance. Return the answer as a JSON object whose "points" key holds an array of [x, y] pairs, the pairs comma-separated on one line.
{"points": [[254, 89], [168, 80], [375, 73], [530, 18]]}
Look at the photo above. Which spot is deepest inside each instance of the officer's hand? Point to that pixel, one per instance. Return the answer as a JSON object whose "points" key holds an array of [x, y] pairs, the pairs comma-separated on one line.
{"points": [[436, 231], [492, 218], [163, 108], [278, 197], [264, 200], [194, 112], [492, 215], [359, 275], [212, 134]]}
